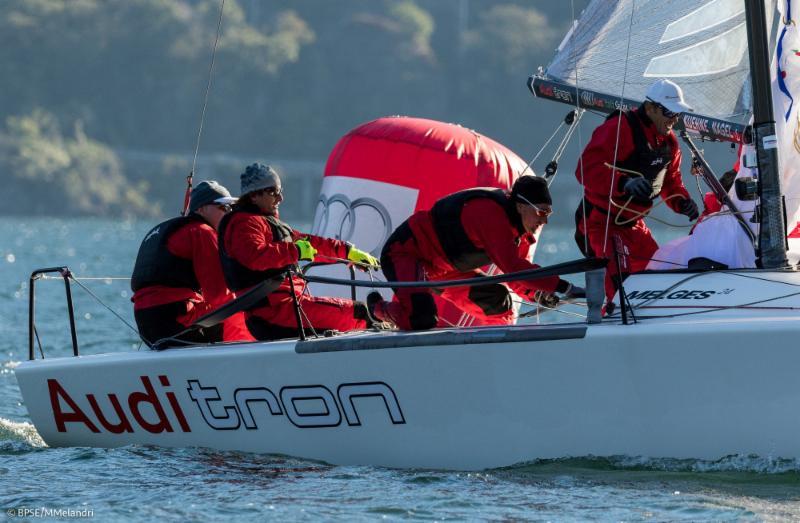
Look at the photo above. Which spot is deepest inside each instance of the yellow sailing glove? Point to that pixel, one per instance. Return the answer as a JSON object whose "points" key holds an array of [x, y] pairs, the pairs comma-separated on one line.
{"points": [[363, 258], [305, 250]]}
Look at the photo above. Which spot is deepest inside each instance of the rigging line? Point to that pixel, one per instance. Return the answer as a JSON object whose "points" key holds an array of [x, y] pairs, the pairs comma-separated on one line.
{"points": [[208, 88], [729, 307], [448, 322], [38, 341], [86, 278], [537, 306], [580, 137], [681, 265], [541, 150], [303, 316], [646, 304], [751, 277], [667, 291], [179, 341], [550, 176], [699, 189], [468, 319], [112, 311], [619, 122], [743, 306], [568, 135]]}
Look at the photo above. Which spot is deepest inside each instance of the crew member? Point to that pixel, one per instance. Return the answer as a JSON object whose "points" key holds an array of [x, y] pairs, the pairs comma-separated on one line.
{"points": [[255, 244], [177, 277], [645, 151], [458, 235]]}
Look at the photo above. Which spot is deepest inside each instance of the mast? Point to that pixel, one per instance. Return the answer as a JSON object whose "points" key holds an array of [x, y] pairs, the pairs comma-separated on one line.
{"points": [[772, 231]]}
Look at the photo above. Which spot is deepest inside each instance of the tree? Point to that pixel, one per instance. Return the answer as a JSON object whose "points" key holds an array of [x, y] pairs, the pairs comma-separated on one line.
{"points": [[73, 175]]}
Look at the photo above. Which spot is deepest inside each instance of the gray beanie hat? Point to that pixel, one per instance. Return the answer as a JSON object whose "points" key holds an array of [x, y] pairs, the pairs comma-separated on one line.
{"points": [[207, 192], [259, 176]]}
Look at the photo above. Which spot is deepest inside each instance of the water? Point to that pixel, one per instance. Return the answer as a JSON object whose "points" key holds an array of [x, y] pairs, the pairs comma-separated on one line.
{"points": [[147, 483]]}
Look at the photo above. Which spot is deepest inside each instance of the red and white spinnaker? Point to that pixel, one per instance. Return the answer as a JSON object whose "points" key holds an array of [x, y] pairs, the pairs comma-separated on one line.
{"points": [[381, 172]]}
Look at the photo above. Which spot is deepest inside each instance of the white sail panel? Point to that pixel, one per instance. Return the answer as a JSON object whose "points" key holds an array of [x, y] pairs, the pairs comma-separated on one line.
{"points": [[705, 17], [618, 48], [718, 54]]}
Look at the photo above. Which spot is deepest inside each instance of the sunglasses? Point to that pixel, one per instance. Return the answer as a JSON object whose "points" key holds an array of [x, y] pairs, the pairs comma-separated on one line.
{"points": [[666, 112], [224, 207], [273, 191], [540, 212]]}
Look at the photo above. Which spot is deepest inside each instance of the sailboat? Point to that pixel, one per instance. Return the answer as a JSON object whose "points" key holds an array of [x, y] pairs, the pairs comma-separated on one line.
{"points": [[690, 365]]}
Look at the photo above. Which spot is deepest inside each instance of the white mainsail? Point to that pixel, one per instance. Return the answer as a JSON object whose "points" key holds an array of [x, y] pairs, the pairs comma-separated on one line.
{"points": [[620, 48]]}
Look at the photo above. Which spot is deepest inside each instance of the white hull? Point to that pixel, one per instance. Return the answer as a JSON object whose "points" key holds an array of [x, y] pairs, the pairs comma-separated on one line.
{"points": [[702, 386]]}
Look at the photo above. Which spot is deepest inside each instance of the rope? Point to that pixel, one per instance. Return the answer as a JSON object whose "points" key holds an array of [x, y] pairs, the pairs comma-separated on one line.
{"points": [[619, 121], [568, 135], [536, 156], [304, 316], [571, 121], [38, 341], [646, 303], [547, 309], [746, 306], [112, 311], [468, 320], [205, 103], [580, 136], [638, 214], [86, 278]]}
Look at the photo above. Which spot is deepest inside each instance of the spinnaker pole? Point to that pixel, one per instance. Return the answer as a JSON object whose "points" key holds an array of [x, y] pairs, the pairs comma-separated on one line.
{"points": [[772, 230]]}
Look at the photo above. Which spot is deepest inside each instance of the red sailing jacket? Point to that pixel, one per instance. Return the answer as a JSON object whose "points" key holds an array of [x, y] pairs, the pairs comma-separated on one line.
{"points": [[488, 227], [196, 241], [249, 241], [596, 177], [710, 206]]}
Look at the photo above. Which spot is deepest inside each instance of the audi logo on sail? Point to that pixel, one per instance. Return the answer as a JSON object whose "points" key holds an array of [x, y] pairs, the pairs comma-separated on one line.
{"points": [[344, 225]]}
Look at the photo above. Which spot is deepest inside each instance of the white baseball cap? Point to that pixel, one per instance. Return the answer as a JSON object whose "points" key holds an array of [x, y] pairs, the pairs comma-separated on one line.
{"points": [[669, 95]]}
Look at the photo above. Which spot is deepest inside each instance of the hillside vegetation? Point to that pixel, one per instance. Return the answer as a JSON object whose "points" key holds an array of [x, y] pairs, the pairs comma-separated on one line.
{"points": [[87, 81]]}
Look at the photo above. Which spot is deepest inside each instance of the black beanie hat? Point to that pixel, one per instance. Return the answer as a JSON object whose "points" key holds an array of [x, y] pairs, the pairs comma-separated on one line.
{"points": [[531, 188]]}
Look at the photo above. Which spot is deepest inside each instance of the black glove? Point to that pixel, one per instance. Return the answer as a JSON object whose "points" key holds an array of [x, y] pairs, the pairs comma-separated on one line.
{"points": [[546, 299], [638, 188], [689, 208], [573, 292]]}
